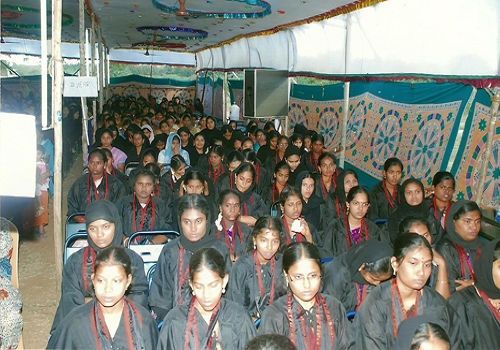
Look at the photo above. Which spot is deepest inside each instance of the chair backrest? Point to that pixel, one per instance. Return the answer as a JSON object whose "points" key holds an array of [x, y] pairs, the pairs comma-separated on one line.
{"points": [[73, 226], [130, 167], [275, 210], [149, 253], [70, 249]]}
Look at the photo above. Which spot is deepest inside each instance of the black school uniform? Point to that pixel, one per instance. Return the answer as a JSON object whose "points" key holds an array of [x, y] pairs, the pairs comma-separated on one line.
{"points": [[123, 179], [479, 327], [252, 204], [380, 308], [337, 239], [169, 187], [169, 286], [245, 289], [154, 216], [342, 278], [235, 238], [235, 327], [262, 178], [458, 254], [85, 328], [382, 202], [76, 287], [83, 192], [275, 320]]}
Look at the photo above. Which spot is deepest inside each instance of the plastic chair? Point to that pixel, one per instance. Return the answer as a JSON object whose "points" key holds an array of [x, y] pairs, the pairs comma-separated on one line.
{"points": [[130, 167], [275, 210], [350, 315], [149, 253], [326, 260], [70, 241], [73, 227]]}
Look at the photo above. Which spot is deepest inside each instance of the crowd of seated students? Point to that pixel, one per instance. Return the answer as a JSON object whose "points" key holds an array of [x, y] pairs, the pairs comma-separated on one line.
{"points": [[409, 267]]}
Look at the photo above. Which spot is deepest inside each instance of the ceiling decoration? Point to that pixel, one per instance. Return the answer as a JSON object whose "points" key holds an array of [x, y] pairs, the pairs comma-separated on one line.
{"points": [[162, 24]]}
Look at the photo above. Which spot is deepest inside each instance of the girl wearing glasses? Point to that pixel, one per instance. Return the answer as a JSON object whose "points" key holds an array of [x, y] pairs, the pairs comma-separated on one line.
{"points": [[405, 296], [461, 244], [310, 319], [353, 229]]}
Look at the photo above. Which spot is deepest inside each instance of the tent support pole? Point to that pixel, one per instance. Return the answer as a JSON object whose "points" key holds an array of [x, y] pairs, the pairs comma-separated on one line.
{"points": [[57, 86], [487, 153], [44, 63], [83, 72], [345, 118], [101, 72]]}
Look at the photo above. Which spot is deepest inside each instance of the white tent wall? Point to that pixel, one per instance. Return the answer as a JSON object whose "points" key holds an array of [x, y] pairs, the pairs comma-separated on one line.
{"points": [[444, 37]]}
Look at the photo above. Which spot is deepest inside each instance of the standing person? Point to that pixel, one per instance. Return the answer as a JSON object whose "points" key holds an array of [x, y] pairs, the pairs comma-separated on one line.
{"points": [[309, 318], [385, 196], [142, 211], [461, 244], [104, 229], [353, 275], [404, 297], [207, 321], [478, 305], [94, 186], [353, 228], [228, 229], [110, 320], [256, 278], [169, 286], [311, 205]]}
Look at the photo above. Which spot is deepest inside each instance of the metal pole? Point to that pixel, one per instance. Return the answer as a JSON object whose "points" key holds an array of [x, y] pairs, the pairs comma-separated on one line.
{"points": [[92, 48], [345, 118], [57, 88], [487, 153], [44, 63], [101, 72], [83, 72]]}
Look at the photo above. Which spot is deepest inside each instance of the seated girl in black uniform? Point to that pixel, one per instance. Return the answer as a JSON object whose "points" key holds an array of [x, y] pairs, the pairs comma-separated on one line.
{"points": [[110, 320], [257, 278], [310, 319], [169, 286], [404, 297], [207, 321], [385, 196], [351, 276], [478, 306], [104, 230], [296, 229], [461, 243], [142, 211], [354, 228], [229, 229]]}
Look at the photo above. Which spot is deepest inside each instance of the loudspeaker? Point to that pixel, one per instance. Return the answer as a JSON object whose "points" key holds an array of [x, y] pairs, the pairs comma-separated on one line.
{"points": [[266, 93]]}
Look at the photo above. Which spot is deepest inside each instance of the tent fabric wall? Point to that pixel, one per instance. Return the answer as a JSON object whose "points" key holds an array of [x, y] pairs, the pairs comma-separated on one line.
{"points": [[137, 86], [419, 123], [440, 37]]}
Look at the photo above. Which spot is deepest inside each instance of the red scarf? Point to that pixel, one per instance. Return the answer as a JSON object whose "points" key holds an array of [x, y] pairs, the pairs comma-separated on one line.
{"points": [[464, 258], [144, 212], [361, 293], [132, 320], [488, 303], [91, 187], [393, 198], [260, 277], [231, 241], [192, 328], [413, 312], [363, 231], [182, 274], [312, 337], [89, 255], [441, 216], [215, 174]]}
